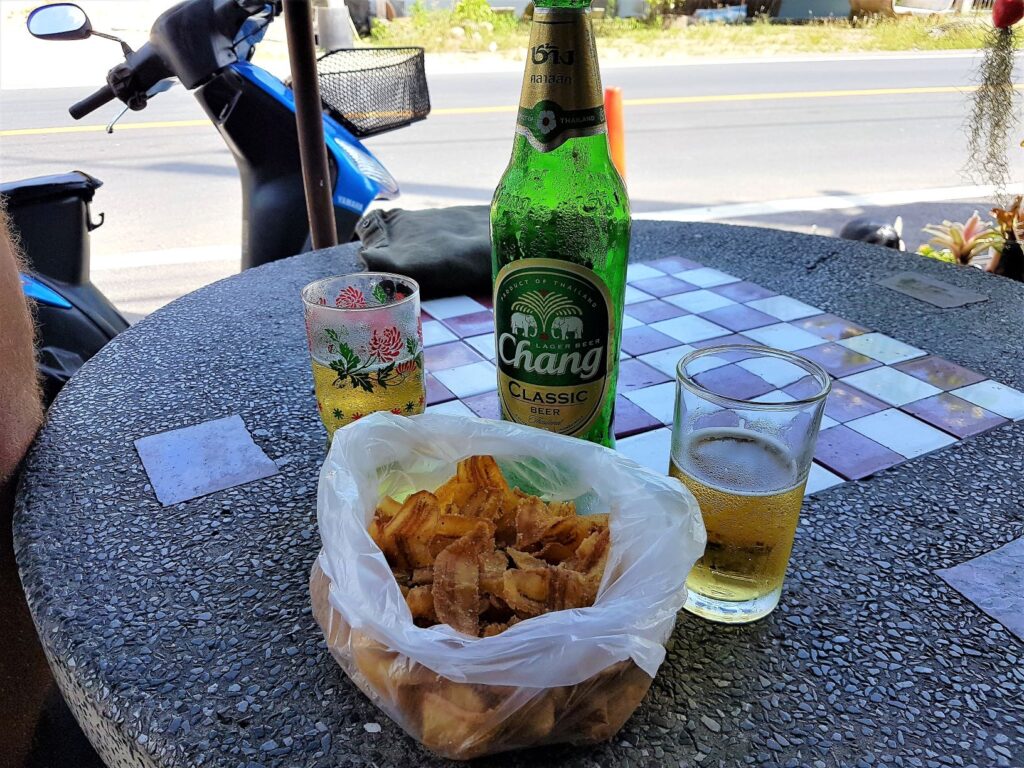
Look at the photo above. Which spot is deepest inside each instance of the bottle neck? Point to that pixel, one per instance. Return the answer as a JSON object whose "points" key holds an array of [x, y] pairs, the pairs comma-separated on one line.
{"points": [[562, 96]]}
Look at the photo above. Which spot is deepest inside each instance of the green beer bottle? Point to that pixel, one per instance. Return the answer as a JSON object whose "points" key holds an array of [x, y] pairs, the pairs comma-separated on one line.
{"points": [[560, 239]]}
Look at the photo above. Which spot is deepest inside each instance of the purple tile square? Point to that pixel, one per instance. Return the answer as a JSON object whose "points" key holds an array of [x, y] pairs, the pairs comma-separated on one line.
{"points": [[743, 291], [737, 317], [732, 339], [640, 341], [838, 360], [733, 381], [437, 392], [473, 324], [486, 406], [663, 286], [829, 327], [939, 372], [851, 455], [450, 355], [634, 374], [844, 402], [653, 311], [631, 419], [673, 264], [951, 414]]}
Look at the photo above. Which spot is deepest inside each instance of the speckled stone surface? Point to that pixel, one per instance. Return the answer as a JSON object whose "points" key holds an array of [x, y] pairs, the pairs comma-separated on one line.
{"points": [[182, 636]]}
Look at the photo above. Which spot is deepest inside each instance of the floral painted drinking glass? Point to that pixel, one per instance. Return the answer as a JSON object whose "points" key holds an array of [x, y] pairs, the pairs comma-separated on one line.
{"points": [[366, 346]]}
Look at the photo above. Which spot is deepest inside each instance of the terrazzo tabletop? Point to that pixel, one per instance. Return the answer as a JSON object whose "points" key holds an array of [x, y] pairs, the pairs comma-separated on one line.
{"points": [[182, 635]]}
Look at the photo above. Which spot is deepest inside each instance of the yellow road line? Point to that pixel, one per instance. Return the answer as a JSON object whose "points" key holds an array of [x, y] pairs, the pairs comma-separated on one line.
{"points": [[95, 128], [652, 102]]}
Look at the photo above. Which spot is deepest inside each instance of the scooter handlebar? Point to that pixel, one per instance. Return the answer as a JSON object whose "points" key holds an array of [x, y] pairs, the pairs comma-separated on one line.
{"points": [[92, 102]]}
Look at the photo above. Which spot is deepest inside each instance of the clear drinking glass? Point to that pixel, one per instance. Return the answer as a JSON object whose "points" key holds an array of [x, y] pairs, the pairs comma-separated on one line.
{"points": [[744, 447], [366, 346]]}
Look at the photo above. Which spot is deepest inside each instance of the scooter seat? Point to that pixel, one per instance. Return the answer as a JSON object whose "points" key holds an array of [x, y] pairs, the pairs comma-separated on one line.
{"points": [[43, 188]]}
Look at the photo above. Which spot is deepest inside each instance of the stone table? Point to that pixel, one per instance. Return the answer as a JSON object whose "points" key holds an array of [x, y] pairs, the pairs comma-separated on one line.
{"points": [[182, 636]]}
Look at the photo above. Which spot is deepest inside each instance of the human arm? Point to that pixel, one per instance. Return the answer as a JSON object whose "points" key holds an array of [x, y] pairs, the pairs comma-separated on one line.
{"points": [[21, 410]]}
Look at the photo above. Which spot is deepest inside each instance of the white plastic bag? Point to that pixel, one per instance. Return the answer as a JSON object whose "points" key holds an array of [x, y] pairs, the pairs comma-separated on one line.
{"points": [[572, 675]]}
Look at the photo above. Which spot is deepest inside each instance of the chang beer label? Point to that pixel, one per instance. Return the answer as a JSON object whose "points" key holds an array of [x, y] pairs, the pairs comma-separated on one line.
{"points": [[561, 97], [553, 322]]}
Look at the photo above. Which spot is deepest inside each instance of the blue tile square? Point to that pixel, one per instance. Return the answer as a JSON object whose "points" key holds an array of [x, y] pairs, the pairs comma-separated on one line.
{"points": [[689, 328], [706, 277], [469, 380], [883, 348], [659, 401], [651, 449], [700, 301], [901, 432], [784, 308], [995, 397], [783, 336], [891, 386]]}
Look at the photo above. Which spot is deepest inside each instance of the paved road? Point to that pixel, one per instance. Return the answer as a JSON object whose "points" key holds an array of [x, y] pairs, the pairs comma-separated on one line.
{"points": [[712, 134]]}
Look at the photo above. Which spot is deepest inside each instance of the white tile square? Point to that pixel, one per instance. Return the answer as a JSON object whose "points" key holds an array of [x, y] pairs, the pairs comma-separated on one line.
{"points": [[891, 386], [650, 449], [666, 360], [995, 397], [469, 380], [884, 349], [819, 478], [635, 295], [690, 328], [659, 401], [630, 322], [901, 432], [774, 370], [483, 344], [827, 422], [783, 336], [452, 408], [452, 306], [699, 301], [642, 272], [706, 277], [784, 308], [775, 396], [435, 332]]}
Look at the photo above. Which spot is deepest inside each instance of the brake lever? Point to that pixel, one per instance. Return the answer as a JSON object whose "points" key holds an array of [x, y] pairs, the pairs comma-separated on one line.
{"points": [[112, 123], [139, 102]]}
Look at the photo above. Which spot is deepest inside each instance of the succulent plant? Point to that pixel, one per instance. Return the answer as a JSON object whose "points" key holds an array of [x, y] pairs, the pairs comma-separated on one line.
{"points": [[965, 243]]}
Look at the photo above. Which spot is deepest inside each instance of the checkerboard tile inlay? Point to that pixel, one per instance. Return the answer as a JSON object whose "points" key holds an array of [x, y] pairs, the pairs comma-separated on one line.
{"points": [[890, 401]]}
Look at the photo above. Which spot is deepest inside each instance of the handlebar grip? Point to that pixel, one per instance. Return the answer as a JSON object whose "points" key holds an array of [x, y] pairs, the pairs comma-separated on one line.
{"points": [[92, 102]]}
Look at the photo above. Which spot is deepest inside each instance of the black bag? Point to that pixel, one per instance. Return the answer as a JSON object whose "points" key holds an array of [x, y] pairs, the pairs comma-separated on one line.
{"points": [[446, 250]]}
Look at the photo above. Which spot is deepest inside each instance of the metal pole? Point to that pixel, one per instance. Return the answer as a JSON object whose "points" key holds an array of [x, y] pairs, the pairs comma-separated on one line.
{"points": [[316, 175]]}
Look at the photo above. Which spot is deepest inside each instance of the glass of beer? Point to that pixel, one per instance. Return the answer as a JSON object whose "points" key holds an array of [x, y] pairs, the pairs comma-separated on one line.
{"points": [[366, 346], [743, 447]]}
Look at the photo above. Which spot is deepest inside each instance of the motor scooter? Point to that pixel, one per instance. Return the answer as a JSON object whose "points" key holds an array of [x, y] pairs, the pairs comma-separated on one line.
{"points": [[207, 46]]}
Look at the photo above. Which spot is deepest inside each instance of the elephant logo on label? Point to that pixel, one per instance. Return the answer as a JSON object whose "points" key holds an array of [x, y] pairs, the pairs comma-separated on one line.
{"points": [[523, 324], [563, 327]]}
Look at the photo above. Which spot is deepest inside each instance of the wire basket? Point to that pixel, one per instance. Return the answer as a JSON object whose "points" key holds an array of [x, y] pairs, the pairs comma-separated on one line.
{"points": [[373, 90]]}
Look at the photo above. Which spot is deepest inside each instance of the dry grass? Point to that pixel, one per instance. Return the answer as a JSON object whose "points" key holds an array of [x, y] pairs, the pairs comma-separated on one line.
{"points": [[448, 31]]}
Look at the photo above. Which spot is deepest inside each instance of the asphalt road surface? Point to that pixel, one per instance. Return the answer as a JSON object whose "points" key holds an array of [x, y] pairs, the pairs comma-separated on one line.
{"points": [[801, 145]]}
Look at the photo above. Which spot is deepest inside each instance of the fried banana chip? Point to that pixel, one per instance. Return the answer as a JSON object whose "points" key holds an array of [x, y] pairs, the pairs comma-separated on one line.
{"points": [[534, 591], [405, 538], [454, 494], [492, 567], [421, 602], [591, 555], [456, 587]]}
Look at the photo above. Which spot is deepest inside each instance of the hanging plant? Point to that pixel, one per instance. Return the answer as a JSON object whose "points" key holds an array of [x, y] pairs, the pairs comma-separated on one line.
{"points": [[993, 114], [1008, 259]]}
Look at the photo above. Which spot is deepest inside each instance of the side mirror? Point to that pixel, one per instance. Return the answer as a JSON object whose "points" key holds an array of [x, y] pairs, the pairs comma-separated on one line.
{"points": [[60, 21]]}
